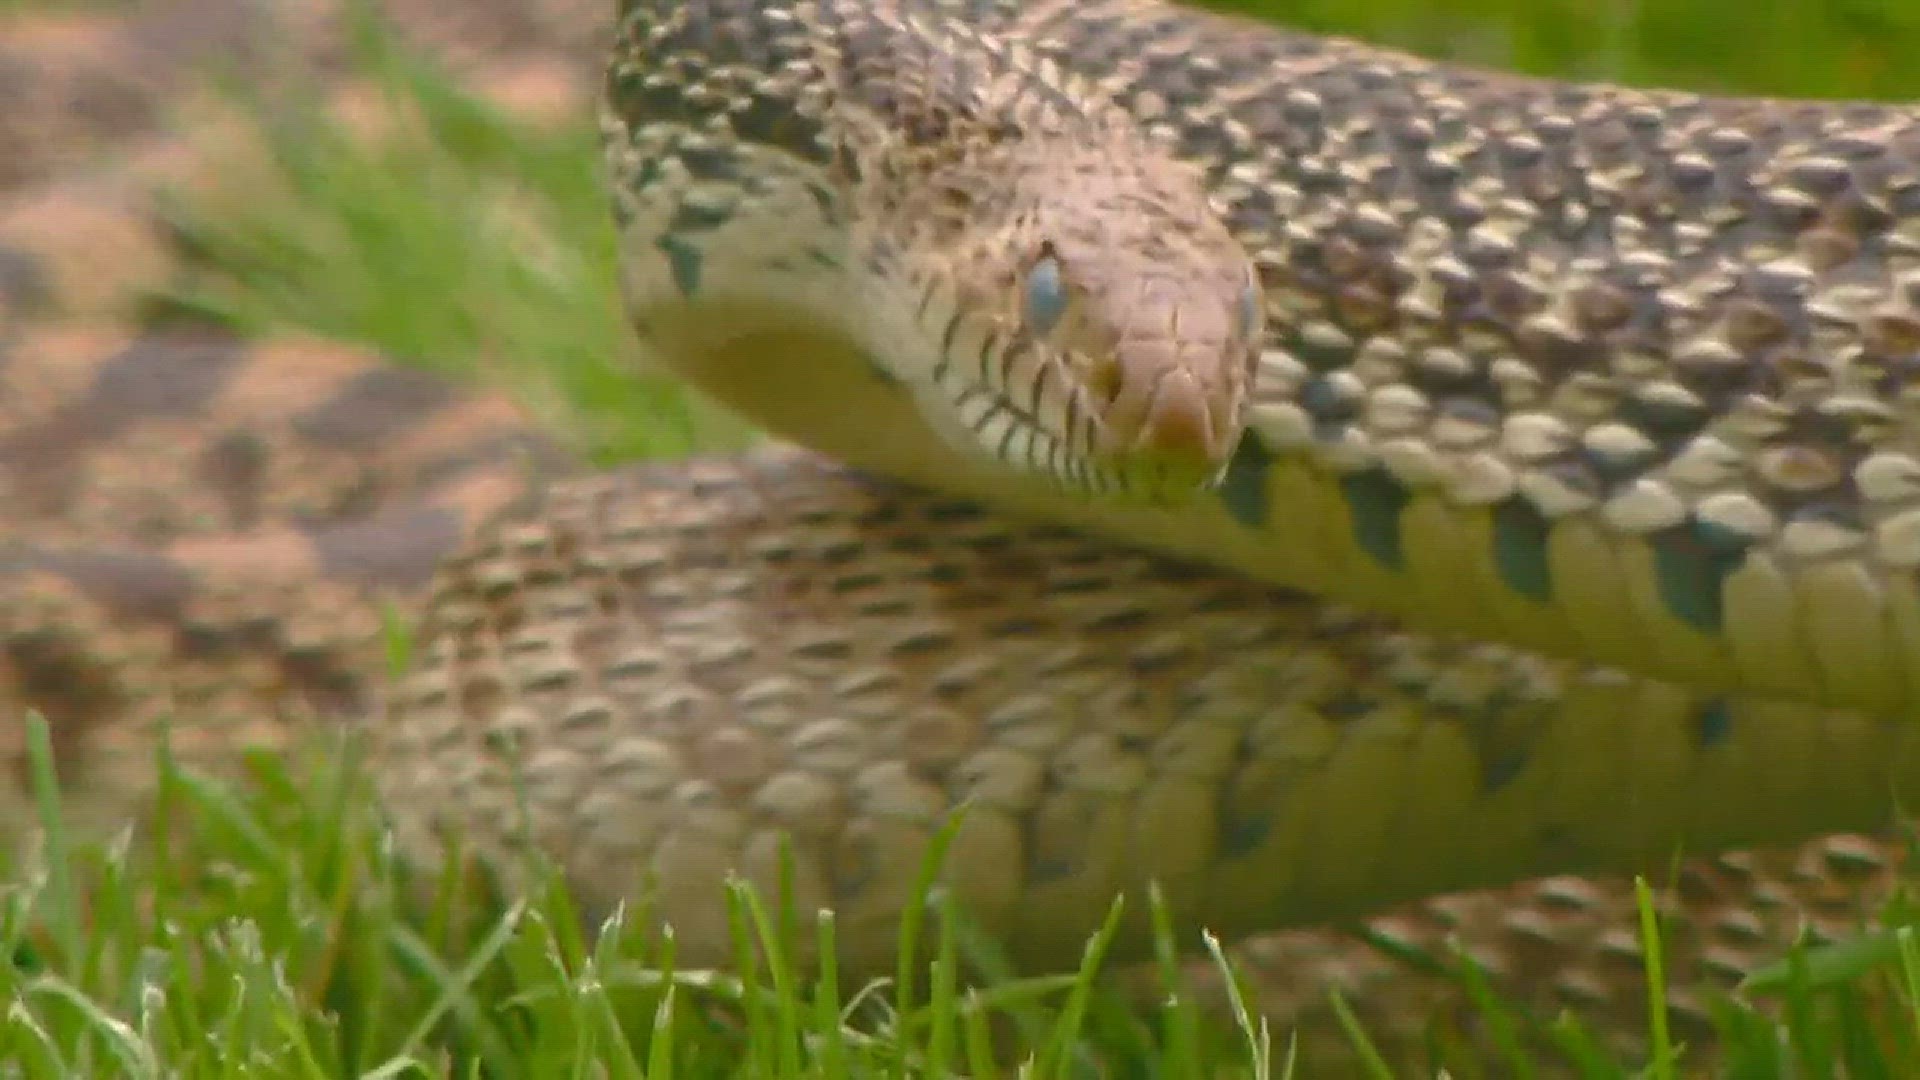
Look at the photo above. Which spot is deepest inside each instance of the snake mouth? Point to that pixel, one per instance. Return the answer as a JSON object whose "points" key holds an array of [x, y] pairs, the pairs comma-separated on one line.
{"points": [[1078, 455]]}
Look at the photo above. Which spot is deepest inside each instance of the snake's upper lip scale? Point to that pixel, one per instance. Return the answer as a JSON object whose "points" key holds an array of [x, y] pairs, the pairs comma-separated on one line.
{"points": [[1138, 473], [1188, 460]]}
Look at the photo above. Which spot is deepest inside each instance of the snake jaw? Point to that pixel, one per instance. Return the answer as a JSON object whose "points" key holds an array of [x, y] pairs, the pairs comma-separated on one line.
{"points": [[1154, 422], [1171, 426], [1154, 443]]}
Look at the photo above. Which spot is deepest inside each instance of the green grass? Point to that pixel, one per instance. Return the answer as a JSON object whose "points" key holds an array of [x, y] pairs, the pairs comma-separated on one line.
{"points": [[272, 933]]}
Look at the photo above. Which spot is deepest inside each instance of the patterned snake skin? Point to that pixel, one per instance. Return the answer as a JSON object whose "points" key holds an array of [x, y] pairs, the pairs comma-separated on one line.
{"points": [[677, 664]]}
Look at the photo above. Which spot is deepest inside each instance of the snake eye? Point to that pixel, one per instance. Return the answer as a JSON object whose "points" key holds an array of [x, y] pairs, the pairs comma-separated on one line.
{"points": [[1046, 291]]}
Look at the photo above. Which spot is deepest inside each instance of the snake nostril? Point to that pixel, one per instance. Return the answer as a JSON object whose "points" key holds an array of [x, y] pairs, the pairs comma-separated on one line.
{"points": [[1105, 380], [1179, 421]]}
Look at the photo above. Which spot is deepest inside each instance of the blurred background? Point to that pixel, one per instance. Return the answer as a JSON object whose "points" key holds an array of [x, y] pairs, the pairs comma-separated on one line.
{"points": [[1823, 48]]}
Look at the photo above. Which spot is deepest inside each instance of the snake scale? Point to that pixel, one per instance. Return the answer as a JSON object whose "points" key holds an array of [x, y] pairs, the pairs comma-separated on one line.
{"points": [[1515, 476]]}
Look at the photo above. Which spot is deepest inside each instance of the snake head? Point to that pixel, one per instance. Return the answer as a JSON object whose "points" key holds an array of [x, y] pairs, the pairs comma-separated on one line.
{"points": [[1153, 353], [1097, 324]]}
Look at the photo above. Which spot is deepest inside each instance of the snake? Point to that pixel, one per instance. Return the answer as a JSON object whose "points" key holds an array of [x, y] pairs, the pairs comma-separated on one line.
{"points": [[1335, 488]]}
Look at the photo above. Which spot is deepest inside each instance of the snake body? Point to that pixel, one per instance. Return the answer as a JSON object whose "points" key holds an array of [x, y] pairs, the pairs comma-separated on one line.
{"points": [[1612, 374], [1473, 288]]}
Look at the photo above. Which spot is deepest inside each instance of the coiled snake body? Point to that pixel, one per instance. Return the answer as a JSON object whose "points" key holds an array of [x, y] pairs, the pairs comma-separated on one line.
{"points": [[1608, 375], [1551, 445]]}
